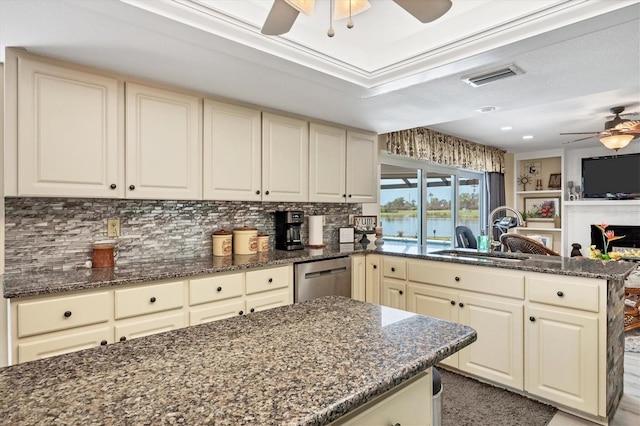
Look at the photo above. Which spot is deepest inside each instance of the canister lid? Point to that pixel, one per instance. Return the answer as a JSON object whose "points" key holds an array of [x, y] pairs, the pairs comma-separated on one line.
{"points": [[244, 228], [221, 232]]}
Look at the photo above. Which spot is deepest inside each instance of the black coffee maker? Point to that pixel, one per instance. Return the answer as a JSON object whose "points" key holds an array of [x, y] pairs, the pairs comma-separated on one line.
{"points": [[288, 226]]}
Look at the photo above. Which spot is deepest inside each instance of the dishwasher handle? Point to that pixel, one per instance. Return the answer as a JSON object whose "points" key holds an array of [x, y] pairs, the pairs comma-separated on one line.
{"points": [[317, 274]]}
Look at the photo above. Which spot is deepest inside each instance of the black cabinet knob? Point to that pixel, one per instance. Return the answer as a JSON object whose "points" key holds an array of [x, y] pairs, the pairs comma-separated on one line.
{"points": [[240, 313], [123, 338], [132, 187], [152, 300], [258, 192], [453, 303], [532, 319], [457, 278], [103, 343], [560, 294], [113, 186], [393, 269], [344, 195], [219, 289], [375, 266], [266, 192], [400, 292], [461, 304], [252, 310], [349, 195], [67, 314], [270, 280]]}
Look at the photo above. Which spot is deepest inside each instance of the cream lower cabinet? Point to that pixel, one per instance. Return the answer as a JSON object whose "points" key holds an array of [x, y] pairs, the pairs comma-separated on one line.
{"points": [[393, 287], [53, 344], [373, 275], [358, 277], [409, 404], [565, 339]]}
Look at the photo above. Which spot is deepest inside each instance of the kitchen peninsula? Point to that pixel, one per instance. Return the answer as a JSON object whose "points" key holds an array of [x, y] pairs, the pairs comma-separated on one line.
{"points": [[308, 364]]}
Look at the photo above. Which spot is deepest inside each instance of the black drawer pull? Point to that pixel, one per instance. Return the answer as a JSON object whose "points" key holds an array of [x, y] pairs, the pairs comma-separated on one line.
{"points": [[219, 289], [266, 192], [67, 314], [258, 192], [270, 280], [400, 292], [123, 338], [532, 319], [453, 303], [152, 300], [240, 313], [252, 310], [349, 195], [393, 269], [113, 186], [461, 304], [560, 294], [132, 187], [375, 266], [103, 343], [457, 278]]}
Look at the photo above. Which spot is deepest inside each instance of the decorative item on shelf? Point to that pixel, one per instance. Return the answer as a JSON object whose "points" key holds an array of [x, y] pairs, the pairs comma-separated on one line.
{"points": [[555, 181], [538, 184], [524, 215], [534, 168], [607, 237], [575, 251], [524, 180], [379, 241], [542, 209], [557, 221]]}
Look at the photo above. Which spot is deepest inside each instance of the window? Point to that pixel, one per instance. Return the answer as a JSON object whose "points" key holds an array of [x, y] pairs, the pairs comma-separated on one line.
{"points": [[422, 203]]}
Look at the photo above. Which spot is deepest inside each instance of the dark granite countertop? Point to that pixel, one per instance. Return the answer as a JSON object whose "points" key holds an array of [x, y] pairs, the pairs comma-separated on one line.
{"points": [[307, 363], [39, 283]]}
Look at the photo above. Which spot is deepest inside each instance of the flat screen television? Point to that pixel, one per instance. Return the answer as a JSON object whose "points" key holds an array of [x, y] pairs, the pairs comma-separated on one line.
{"points": [[615, 177]]}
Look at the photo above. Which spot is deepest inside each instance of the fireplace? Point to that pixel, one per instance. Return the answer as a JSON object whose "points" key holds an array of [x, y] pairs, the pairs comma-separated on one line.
{"points": [[631, 236]]}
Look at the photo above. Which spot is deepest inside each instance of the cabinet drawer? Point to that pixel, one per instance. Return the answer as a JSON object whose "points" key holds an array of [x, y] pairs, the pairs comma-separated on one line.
{"points": [[61, 313], [565, 292], [218, 287], [216, 311], [44, 348], [133, 329], [272, 299], [267, 279], [478, 279], [394, 268], [148, 299]]}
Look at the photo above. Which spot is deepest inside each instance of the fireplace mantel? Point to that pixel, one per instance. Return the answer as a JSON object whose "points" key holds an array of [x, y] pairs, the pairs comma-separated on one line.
{"points": [[578, 217]]}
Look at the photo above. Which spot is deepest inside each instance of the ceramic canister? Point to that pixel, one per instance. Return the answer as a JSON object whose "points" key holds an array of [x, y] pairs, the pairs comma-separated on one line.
{"points": [[245, 240], [263, 242], [103, 254], [222, 243]]}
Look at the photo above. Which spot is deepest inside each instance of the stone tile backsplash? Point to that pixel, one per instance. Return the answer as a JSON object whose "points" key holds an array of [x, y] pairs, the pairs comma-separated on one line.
{"points": [[57, 233]]}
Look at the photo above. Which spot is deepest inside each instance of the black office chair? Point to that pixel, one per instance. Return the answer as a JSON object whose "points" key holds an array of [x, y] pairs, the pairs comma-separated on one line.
{"points": [[465, 237]]}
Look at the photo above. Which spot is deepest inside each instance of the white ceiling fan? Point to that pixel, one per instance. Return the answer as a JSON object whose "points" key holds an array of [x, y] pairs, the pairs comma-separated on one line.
{"points": [[617, 133], [283, 13]]}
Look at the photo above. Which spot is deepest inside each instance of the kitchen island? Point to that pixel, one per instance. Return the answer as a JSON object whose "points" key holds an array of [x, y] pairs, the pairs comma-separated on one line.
{"points": [[308, 363]]}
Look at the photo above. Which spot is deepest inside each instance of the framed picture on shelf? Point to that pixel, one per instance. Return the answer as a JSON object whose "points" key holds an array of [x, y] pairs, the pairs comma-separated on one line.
{"points": [[546, 240], [534, 168], [365, 223], [555, 181], [542, 208]]}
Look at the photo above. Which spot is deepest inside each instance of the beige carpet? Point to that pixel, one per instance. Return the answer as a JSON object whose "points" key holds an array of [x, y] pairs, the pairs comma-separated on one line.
{"points": [[468, 402]]}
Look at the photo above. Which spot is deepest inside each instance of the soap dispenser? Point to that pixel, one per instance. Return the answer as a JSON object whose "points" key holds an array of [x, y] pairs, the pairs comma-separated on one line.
{"points": [[483, 242]]}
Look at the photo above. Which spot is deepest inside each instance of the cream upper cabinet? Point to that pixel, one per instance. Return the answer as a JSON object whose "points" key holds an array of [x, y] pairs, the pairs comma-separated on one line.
{"points": [[164, 144], [327, 163], [285, 158], [232, 152], [69, 132], [362, 167]]}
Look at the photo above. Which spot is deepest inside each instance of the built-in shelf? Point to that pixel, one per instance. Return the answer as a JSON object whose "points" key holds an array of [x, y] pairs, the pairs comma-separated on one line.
{"points": [[533, 228], [543, 192], [603, 203]]}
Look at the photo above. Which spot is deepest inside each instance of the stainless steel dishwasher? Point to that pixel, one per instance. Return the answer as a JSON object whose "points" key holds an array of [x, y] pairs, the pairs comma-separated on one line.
{"points": [[327, 277]]}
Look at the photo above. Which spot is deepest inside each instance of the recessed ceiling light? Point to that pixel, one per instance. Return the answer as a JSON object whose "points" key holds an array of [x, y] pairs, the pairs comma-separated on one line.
{"points": [[527, 137], [505, 128], [486, 109]]}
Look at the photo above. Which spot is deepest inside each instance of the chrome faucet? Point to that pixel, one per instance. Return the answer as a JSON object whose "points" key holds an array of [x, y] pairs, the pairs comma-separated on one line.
{"points": [[495, 244]]}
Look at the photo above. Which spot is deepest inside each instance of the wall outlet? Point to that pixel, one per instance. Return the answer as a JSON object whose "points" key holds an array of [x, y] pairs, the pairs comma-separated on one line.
{"points": [[113, 227]]}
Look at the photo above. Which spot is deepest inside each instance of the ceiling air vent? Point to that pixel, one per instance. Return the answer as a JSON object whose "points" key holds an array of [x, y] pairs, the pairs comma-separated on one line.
{"points": [[494, 75]]}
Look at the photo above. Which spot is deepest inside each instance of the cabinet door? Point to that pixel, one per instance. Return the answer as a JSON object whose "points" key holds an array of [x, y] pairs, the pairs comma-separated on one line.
{"points": [[393, 293], [362, 168], [268, 300], [372, 279], [498, 354], [358, 278], [232, 152], [285, 158], [327, 163], [562, 359], [70, 341], [163, 144], [434, 302], [69, 132], [148, 325]]}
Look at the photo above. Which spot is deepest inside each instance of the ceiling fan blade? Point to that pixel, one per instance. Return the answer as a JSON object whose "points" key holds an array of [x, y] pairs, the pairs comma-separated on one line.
{"points": [[581, 133], [280, 19], [578, 140], [425, 11]]}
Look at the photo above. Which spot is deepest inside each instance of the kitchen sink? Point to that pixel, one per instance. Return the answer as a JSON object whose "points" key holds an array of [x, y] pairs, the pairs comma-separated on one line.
{"points": [[482, 256]]}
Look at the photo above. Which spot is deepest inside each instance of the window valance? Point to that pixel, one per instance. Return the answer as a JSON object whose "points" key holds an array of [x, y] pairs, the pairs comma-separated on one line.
{"points": [[426, 144]]}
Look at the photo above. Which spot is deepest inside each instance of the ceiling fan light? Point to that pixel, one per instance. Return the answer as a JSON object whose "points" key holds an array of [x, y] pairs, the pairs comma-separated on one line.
{"points": [[616, 142], [342, 8], [304, 6]]}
